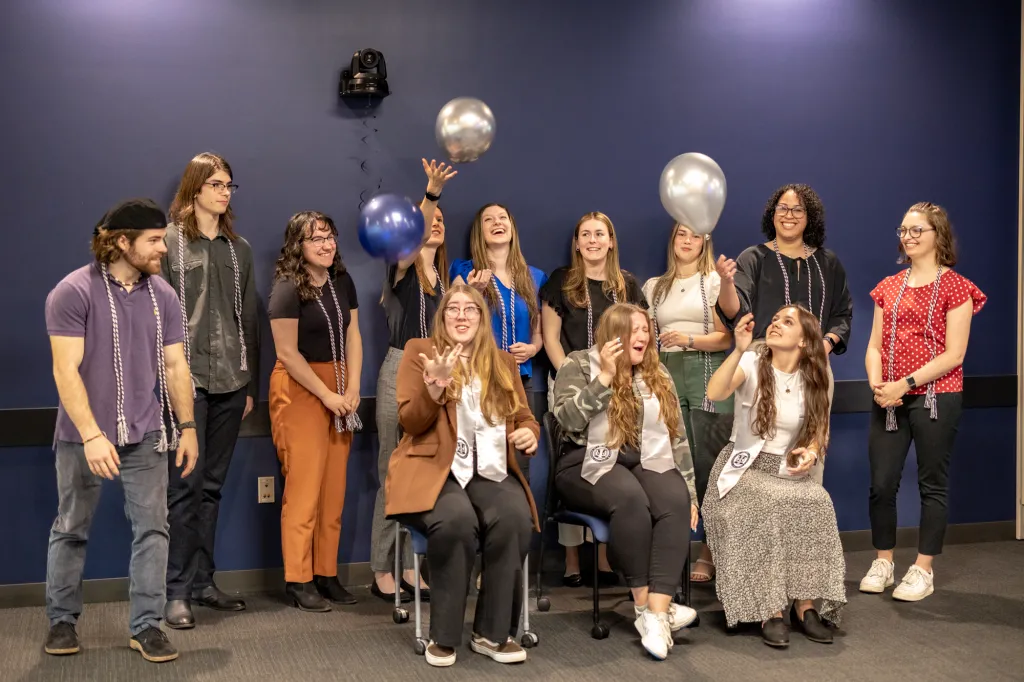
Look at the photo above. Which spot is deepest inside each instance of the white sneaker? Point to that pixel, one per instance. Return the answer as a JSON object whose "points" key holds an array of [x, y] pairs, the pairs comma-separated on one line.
{"points": [[679, 616], [439, 656], [655, 635], [879, 577], [916, 585]]}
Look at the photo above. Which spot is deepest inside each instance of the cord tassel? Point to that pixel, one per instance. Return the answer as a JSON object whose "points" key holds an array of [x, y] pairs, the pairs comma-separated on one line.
{"points": [[122, 431], [890, 419]]}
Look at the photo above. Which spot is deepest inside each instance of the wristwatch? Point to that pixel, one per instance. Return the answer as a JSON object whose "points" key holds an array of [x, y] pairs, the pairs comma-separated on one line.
{"points": [[184, 425], [911, 382]]}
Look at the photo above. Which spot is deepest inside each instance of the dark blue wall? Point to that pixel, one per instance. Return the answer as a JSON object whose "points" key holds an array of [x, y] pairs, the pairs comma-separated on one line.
{"points": [[877, 105]]}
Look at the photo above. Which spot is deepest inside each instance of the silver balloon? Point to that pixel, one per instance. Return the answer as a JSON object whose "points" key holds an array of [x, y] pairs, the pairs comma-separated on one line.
{"points": [[464, 129], [693, 191]]}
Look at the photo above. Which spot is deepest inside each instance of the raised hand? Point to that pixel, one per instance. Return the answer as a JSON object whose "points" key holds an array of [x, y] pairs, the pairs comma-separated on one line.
{"points": [[726, 268], [609, 361], [439, 368], [479, 279], [744, 332], [437, 175]]}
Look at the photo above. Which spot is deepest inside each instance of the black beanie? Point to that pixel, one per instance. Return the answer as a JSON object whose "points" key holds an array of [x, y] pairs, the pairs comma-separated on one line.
{"points": [[133, 214]]}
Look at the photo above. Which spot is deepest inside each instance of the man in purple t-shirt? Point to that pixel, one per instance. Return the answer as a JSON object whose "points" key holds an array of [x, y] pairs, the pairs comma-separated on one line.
{"points": [[119, 365]]}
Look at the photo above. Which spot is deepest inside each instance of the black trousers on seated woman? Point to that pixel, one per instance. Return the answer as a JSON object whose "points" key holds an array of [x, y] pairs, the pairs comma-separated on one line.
{"points": [[493, 518], [648, 515]]}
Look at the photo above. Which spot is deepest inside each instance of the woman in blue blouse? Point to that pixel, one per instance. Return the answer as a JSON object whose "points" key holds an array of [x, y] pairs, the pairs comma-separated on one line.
{"points": [[499, 271]]}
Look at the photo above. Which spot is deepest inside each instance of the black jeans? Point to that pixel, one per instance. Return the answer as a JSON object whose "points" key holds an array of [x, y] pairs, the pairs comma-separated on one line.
{"points": [[494, 518], [648, 515], [193, 502], [887, 452]]}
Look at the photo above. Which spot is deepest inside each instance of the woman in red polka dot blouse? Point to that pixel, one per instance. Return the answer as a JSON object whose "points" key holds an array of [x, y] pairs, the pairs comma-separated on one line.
{"points": [[914, 362]]}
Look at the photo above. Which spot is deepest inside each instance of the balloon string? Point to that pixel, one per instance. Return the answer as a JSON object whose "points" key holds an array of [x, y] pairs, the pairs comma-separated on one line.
{"points": [[364, 165]]}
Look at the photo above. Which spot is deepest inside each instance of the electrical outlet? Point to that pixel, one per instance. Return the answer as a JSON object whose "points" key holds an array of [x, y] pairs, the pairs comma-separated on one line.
{"points": [[265, 491]]}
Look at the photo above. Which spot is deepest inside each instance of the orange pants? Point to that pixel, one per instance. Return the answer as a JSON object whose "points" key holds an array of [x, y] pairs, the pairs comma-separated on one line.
{"points": [[314, 461]]}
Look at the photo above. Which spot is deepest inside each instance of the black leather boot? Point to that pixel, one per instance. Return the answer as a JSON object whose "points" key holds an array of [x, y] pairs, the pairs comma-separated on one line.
{"points": [[178, 614], [212, 597], [306, 598], [330, 588]]}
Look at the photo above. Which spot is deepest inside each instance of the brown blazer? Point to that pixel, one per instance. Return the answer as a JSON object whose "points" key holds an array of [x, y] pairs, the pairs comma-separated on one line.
{"points": [[422, 461]]}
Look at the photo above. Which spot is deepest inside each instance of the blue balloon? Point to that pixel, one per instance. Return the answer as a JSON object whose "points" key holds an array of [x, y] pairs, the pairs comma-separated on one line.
{"points": [[390, 227]]}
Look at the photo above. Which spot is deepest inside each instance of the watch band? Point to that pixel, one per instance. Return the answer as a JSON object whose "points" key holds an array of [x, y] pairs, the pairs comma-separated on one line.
{"points": [[185, 425], [911, 382], [432, 197]]}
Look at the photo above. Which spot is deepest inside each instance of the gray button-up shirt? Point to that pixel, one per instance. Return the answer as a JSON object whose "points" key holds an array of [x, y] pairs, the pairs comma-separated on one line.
{"points": [[215, 351]]}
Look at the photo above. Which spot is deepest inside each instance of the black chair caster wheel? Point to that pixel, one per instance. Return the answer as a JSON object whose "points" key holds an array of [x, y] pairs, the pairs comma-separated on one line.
{"points": [[420, 647], [529, 640], [599, 631], [400, 616], [544, 604]]}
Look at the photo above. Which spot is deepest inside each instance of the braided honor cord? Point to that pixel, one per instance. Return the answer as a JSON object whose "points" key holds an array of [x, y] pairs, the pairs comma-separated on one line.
{"points": [[785, 278], [351, 422], [423, 304]]}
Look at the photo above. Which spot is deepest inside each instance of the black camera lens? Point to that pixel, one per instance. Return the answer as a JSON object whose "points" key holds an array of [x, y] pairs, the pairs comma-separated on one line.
{"points": [[369, 58]]}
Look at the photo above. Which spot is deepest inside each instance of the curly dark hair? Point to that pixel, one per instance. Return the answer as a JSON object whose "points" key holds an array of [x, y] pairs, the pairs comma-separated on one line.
{"points": [[291, 265], [814, 233]]}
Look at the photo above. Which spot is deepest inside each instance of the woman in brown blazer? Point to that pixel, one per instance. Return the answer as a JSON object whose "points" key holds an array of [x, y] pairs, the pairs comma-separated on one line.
{"points": [[454, 476]]}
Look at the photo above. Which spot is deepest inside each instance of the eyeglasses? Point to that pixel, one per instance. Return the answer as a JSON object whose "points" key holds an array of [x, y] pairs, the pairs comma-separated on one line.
{"points": [[795, 211], [320, 242], [221, 187], [453, 312], [915, 231]]}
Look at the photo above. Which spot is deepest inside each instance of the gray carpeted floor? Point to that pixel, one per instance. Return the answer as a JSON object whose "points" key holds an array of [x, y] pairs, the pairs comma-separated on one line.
{"points": [[972, 628]]}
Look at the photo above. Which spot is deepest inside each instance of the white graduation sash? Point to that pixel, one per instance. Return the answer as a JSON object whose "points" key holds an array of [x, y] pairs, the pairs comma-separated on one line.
{"points": [[655, 440], [475, 434]]}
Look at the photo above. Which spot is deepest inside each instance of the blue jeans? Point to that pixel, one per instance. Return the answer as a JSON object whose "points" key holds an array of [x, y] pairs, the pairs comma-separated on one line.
{"points": [[144, 479]]}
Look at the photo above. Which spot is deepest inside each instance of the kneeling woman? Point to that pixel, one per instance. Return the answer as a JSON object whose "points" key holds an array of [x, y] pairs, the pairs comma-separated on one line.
{"points": [[771, 527], [454, 475], [619, 408]]}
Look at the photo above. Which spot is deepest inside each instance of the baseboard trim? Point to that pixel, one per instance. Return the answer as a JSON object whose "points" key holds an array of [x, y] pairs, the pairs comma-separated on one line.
{"points": [[266, 580]]}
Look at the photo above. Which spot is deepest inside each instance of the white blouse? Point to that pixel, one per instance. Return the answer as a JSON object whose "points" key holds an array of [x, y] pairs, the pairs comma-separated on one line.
{"points": [[789, 406], [682, 308]]}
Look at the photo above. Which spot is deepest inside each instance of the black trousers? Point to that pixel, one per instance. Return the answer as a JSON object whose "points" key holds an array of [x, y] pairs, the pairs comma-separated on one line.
{"points": [[194, 502], [648, 515], [493, 518], [887, 452]]}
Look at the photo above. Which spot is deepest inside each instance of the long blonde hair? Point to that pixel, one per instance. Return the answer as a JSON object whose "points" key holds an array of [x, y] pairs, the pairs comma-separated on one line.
{"points": [[705, 264], [623, 419], [498, 396], [517, 268], [575, 286]]}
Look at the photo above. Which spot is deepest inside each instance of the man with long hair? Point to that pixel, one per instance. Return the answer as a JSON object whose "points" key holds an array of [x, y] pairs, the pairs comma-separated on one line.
{"points": [[211, 269], [116, 336]]}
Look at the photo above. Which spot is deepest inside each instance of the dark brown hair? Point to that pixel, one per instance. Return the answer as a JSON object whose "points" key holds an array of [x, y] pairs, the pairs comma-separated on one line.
{"points": [[945, 241], [517, 268], [813, 368], [291, 264], [104, 244], [183, 211]]}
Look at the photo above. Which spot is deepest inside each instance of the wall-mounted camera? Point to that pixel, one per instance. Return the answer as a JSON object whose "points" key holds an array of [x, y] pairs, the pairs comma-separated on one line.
{"points": [[367, 76]]}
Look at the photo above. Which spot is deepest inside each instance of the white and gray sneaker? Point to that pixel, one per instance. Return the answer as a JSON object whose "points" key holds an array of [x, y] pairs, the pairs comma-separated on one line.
{"points": [[655, 635], [679, 616], [879, 577], [916, 585]]}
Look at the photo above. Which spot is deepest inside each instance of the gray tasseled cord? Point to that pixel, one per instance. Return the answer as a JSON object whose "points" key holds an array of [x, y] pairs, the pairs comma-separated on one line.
{"points": [[785, 278], [351, 422], [122, 423], [706, 404], [506, 343], [423, 304], [590, 315], [929, 398]]}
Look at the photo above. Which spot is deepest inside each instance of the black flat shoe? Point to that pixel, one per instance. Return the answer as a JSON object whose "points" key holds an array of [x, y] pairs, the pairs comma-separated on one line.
{"points": [[212, 598], [811, 625], [331, 589], [607, 579], [574, 580], [388, 596], [411, 589], [775, 633], [306, 598], [178, 614]]}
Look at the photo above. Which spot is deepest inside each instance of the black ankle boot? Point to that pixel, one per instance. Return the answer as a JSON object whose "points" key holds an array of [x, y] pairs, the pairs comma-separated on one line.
{"points": [[306, 598], [811, 626], [775, 633], [330, 588]]}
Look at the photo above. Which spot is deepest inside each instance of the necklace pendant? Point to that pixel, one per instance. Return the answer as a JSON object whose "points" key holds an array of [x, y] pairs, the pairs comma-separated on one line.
{"points": [[787, 390]]}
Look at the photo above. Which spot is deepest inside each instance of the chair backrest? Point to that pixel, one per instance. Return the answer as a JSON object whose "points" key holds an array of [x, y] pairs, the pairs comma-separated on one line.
{"points": [[553, 441]]}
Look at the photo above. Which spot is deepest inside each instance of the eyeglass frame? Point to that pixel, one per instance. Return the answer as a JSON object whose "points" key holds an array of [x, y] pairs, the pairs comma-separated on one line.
{"points": [[320, 242], [219, 186], [904, 231], [450, 315], [784, 210]]}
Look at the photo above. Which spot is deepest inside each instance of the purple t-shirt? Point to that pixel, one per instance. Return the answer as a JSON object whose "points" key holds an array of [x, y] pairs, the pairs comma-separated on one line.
{"points": [[78, 307]]}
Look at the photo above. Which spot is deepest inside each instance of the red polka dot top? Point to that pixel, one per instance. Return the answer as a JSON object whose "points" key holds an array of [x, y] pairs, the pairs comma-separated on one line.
{"points": [[912, 351]]}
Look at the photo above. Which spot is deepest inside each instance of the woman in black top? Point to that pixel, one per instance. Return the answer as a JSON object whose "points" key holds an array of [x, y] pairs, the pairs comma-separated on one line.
{"points": [[573, 300], [314, 395], [792, 266], [413, 288]]}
